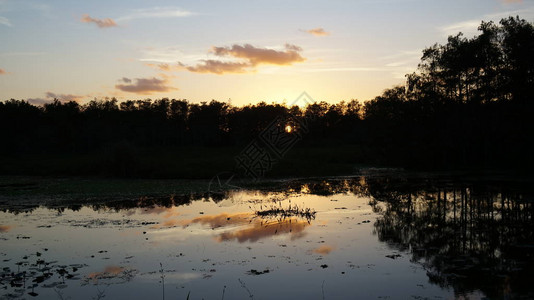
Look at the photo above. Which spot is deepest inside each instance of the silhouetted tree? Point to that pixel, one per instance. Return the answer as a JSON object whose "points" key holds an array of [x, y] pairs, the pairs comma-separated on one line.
{"points": [[469, 104]]}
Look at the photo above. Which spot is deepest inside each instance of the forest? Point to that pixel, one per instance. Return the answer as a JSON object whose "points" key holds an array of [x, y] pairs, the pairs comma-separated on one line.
{"points": [[469, 105]]}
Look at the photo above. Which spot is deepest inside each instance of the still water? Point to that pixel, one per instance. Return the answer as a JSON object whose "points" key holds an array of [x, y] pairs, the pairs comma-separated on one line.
{"points": [[352, 238]]}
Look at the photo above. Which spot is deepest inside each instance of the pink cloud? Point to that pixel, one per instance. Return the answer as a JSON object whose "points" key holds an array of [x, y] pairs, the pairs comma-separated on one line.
{"points": [[102, 23], [50, 96], [219, 67], [258, 56], [249, 57], [317, 32], [144, 86]]}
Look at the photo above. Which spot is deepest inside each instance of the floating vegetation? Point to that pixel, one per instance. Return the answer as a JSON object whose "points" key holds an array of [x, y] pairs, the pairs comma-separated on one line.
{"points": [[278, 211], [256, 272], [30, 275]]}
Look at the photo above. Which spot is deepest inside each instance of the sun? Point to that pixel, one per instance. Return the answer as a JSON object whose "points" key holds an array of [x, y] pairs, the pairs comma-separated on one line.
{"points": [[289, 128]]}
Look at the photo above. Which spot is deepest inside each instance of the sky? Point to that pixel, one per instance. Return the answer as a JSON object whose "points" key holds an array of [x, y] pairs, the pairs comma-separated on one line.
{"points": [[238, 51]]}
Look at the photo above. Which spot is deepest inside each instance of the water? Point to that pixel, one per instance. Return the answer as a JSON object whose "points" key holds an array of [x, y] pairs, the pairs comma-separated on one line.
{"points": [[357, 238]]}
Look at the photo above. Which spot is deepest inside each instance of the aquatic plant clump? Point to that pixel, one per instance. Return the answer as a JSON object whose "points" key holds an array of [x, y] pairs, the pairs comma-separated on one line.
{"points": [[290, 211]]}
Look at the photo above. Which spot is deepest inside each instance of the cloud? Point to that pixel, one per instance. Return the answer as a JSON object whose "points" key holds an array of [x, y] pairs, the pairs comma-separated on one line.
{"points": [[262, 55], [5, 21], [166, 55], [470, 27], [102, 23], [64, 97], [50, 96], [512, 1], [3, 72], [219, 67], [144, 86], [249, 57], [344, 69], [38, 101], [166, 67], [317, 32], [156, 12]]}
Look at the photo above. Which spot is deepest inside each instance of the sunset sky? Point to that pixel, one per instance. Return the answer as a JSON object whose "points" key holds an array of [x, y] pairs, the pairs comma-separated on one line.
{"points": [[246, 51]]}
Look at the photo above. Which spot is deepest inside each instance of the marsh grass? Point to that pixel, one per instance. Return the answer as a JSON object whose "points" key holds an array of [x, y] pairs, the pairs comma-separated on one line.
{"points": [[292, 210], [244, 286], [162, 276]]}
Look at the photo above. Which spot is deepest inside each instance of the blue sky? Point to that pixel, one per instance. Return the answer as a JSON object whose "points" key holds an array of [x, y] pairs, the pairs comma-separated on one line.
{"points": [[267, 50]]}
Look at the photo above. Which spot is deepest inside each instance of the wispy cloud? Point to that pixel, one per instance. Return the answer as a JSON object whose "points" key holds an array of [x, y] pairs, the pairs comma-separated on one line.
{"points": [[156, 12], [512, 1], [168, 55], [102, 23], [402, 59], [64, 97], [470, 27], [248, 58], [401, 63], [50, 96], [166, 67], [38, 101], [317, 31], [5, 21], [345, 69], [144, 86], [464, 27]]}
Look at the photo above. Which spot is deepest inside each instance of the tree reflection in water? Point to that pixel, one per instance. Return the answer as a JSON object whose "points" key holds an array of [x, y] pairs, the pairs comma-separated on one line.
{"points": [[470, 236]]}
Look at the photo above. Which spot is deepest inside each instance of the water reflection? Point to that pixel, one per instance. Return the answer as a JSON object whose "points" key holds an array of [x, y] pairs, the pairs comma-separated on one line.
{"points": [[4, 228], [323, 250], [109, 272], [475, 236], [220, 220], [260, 229], [248, 227], [469, 235]]}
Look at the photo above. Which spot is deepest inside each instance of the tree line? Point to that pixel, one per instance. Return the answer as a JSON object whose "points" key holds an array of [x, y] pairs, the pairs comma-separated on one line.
{"points": [[469, 104]]}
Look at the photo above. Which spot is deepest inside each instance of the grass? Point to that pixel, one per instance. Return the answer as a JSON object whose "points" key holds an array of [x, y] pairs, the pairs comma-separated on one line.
{"points": [[162, 276], [291, 211]]}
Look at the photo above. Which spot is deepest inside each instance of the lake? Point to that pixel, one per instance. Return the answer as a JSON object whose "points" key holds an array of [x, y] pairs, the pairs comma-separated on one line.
{"points": [[363, 237]]}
